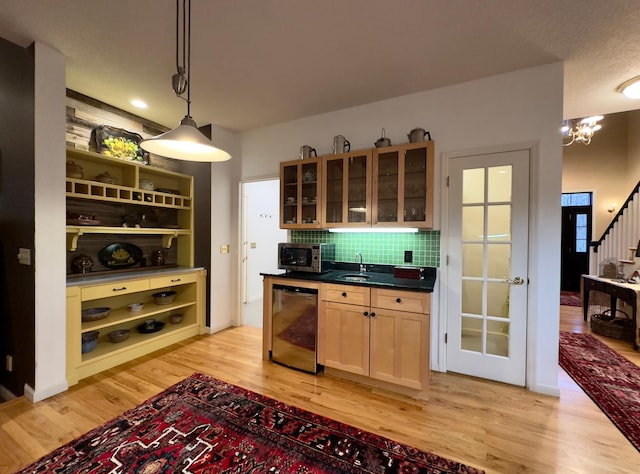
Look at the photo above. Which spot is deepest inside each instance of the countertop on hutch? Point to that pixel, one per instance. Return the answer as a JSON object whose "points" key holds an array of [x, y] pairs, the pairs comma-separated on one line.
{"points": [[103, 277]]}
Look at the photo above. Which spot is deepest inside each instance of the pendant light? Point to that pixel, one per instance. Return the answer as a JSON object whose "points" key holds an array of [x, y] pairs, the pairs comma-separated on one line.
{"points": [[185, 142]]}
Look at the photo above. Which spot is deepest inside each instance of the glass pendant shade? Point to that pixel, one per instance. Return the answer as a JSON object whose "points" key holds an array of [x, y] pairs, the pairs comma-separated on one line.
{"points": [[185, 143]]}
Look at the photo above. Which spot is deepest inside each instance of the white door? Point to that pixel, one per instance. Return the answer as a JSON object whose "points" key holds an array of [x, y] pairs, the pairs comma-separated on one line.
{"points": [[488, 228]]}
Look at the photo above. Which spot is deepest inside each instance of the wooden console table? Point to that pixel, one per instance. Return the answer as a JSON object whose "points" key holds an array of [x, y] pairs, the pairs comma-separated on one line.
{"points": [[626, 292]]}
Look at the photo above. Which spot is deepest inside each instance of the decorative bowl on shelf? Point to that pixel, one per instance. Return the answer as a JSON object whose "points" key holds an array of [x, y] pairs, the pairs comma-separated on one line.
{"points": [[119, 335], [164, 297], [89, 341], [176, 318], [133, 307], [95, 314]]}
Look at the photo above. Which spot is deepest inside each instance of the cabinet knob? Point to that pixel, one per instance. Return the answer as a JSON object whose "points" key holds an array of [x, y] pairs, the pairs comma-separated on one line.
{"points": [[366, 313], [373, 315], [176, 280], [398, 300], [344, 294], [120, 289]]}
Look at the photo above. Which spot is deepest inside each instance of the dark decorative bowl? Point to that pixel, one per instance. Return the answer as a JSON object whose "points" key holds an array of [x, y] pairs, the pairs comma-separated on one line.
{"points": [[164, 297], [94, 314], [89, 341], [119, 335]]}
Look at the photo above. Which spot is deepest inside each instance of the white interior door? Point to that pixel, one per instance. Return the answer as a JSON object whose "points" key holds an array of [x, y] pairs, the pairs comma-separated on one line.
{"points": [[487, 265]]}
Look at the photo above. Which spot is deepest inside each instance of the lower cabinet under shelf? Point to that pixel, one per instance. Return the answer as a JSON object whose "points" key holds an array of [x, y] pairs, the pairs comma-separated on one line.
{"points": [[189, 301]]}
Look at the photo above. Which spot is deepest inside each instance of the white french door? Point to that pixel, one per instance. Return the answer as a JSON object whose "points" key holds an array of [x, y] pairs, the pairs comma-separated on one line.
{"points": [[488, 228]]}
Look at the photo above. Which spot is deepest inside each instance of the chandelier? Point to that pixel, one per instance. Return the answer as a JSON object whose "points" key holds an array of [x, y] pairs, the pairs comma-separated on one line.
{"points": [[580, 130]]}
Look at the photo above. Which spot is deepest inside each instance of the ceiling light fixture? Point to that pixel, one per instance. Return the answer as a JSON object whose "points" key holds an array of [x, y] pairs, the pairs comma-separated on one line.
{"points": [[185, 142], [141, 104], [630, 88], [581, 130]]}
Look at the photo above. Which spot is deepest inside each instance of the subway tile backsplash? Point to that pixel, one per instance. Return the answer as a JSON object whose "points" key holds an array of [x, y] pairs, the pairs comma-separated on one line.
{"points": [[383, 248]]}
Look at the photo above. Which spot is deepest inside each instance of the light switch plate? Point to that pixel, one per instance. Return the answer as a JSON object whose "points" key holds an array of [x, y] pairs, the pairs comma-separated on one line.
{"points": [[224, 248], [24, 256], [253, 245]]}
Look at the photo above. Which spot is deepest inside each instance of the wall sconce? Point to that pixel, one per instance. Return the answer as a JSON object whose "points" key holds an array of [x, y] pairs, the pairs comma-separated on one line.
{"points": [[612, 208]]}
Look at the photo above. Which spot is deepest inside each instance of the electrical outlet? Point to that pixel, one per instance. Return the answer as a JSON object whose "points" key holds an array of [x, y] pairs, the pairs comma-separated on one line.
{"points": [[8, 363], [224, 248], [253, 245], [408, 256]]}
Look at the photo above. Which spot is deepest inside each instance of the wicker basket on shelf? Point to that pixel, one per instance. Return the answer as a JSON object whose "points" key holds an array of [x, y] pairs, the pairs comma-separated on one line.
{"points": [[609, 325]]}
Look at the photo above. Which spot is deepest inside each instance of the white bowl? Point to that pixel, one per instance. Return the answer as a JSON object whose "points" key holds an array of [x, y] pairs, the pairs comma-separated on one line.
{"points": [[135, 306]]}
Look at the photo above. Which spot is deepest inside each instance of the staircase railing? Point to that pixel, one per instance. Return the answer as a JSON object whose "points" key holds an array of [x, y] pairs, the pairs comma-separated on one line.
{"points": [[620, 235]]}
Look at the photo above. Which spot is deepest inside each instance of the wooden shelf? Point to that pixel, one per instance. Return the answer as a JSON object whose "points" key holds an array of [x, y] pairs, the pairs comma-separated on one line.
{"points": [[75, 231]]}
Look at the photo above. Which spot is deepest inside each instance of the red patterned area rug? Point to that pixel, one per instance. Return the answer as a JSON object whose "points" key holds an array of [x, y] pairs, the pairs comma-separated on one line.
{"points": [[570, 298], [203, 425], [611, 381]]}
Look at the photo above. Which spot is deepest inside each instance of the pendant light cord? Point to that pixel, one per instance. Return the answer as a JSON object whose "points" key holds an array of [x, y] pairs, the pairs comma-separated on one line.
{"points": [[183, 63]]}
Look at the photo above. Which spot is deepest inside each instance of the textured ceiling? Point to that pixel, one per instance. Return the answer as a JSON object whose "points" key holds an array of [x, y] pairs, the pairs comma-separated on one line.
{"points": [[259, 62]]}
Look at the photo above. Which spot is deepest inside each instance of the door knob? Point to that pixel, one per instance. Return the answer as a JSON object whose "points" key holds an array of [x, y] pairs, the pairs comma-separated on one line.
{"points": [[515, 281]]}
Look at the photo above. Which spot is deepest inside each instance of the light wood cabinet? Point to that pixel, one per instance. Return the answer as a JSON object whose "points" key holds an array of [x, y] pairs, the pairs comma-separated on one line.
{"points": [[385, 187], [379, 333], [117, 294], [346, 200], [300, 194], [403, 185]]}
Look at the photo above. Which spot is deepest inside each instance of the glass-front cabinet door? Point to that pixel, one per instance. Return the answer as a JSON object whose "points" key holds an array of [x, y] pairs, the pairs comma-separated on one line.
{"points": [[403, 185], [347, 189], [300, 194]]}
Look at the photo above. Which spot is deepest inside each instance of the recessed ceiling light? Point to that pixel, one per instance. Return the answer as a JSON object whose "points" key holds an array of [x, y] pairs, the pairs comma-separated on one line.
{"points": [[139, 103], [630, 88]]}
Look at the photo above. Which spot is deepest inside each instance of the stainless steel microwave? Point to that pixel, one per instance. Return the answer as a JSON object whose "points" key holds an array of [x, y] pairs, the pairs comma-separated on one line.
{"points": [[299, 257]]}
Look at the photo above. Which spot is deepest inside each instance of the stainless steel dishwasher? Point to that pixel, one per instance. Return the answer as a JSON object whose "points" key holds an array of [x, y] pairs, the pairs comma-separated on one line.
{"points": [[295, 327]]}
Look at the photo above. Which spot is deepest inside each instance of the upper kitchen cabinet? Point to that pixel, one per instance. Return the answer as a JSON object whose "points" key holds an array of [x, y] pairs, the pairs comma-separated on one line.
{"points": [[403, 185], [300, 192], [346, 200]]}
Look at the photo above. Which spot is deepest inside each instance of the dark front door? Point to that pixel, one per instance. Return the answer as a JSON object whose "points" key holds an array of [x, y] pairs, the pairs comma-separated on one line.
{"points": [[576, 235]]}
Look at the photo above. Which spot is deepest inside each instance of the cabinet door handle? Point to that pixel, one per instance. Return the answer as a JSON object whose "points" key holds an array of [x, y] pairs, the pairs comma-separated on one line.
{"points": [[344, 294], [176, 280], [366, 313], [373, 315], [398, 300], [120, 289]]}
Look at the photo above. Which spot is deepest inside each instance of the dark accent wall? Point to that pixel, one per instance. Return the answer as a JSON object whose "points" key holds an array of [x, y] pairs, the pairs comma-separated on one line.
{"points": [[17, 215]]}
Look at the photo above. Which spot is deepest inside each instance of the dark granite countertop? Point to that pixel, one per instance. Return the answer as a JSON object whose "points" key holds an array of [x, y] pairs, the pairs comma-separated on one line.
{"points": [[379, 276]]}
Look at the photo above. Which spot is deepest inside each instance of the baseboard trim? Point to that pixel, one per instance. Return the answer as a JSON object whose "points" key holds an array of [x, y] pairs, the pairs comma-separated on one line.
{"points": [[6, 394], [551, 390], [38, 395]]}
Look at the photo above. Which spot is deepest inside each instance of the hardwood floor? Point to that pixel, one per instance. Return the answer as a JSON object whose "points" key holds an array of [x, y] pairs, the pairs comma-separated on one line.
{"points": [[488, 425]]}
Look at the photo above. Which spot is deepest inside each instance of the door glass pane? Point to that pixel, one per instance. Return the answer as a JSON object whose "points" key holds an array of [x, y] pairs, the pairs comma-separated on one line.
{"points": [[486, 256], [581, 233], [472, 297], [289, 194], [499, 260], [388, 187], [473, 186], [499, 184], [335, 177], [357, 190], [309, 193], [498, 338], [415, 189], [472, 255], [498, 299], [499, 223], [472, 223], [471, 334]]}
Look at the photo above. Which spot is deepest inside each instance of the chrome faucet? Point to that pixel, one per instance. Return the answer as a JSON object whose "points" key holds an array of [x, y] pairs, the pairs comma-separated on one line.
{"points": [[363, 268]]}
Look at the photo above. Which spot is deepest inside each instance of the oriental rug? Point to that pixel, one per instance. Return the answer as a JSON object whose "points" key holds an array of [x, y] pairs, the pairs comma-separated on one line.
{"points": [[204, 425], [570, 298], [610, 380]]}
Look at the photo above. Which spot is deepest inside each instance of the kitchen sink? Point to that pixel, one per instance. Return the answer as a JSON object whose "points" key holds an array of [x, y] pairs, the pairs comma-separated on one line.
{"points": [[355, 277]]}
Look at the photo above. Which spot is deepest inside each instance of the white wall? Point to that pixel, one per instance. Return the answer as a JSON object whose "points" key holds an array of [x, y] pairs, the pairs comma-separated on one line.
{"points": [[520, 107], [50, 255], [224, 224]]}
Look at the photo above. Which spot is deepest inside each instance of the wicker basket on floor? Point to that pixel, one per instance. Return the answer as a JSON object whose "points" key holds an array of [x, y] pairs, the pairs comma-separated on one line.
{"points": [[608, 325]]}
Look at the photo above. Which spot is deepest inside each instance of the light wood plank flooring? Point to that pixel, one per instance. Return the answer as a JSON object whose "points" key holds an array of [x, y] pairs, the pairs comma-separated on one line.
{"points": [[496, 427]]}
